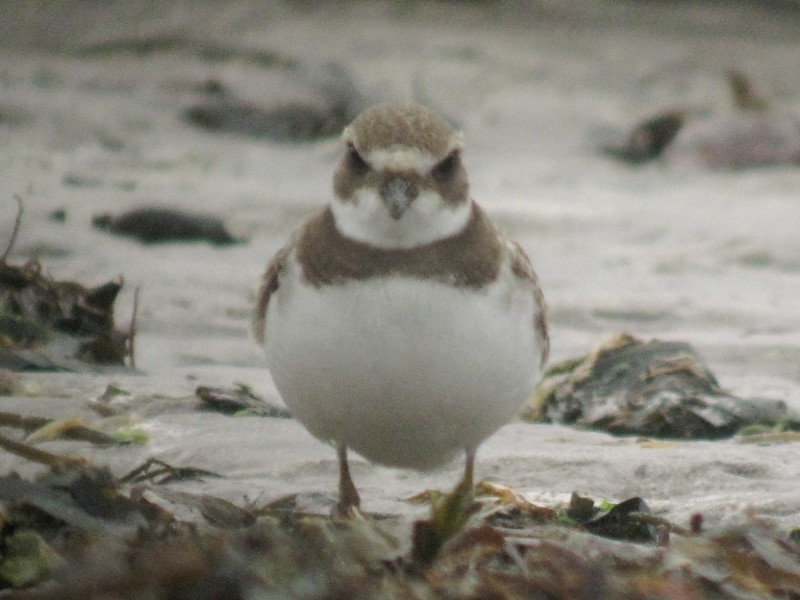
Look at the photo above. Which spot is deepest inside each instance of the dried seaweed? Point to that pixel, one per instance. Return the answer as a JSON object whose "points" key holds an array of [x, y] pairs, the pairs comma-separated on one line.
{"points": [[656, 388], [647, 140], [159, 472], [621, 522], [36, 454], [160, 224], [79, 532], [239, 400], [73, 430], [47, 324]]}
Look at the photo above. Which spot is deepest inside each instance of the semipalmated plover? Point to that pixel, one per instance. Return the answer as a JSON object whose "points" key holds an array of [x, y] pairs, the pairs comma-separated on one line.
{"points": [[399, 321]]}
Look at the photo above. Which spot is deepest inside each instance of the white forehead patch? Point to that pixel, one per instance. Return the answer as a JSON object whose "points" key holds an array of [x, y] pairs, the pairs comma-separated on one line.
{"points": [[401, 159]]}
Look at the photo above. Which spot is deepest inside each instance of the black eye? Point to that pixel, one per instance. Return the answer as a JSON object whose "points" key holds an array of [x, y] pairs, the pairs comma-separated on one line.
{"points": [[357, 164], [447, 168]]}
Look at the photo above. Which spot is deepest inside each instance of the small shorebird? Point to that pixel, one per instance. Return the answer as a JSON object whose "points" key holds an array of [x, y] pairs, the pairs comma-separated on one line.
{"points": [[399, 321]]}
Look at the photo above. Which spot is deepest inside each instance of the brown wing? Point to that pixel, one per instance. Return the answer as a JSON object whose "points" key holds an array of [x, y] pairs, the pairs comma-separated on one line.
{"points": [[269, 285], [521, 267]]}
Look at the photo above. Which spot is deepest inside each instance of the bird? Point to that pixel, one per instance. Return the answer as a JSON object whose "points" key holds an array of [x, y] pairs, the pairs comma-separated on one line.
{"points": [[399, 321]]}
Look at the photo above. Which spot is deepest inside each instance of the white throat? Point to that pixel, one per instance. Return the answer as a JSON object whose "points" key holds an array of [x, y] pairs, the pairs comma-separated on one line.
{"points": [[428, 219]]}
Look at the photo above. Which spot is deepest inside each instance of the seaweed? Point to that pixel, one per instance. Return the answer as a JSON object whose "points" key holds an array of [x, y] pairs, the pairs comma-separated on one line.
{"points": [[241, 400], [647, 140], [655, 388], [79, 531], [46, 324], [161, 224]]}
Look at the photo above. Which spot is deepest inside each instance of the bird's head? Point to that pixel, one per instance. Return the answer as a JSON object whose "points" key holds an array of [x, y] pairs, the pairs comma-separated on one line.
{"points": [[400, 181]]}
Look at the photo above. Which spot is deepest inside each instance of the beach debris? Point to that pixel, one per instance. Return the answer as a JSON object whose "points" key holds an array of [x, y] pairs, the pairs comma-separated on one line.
{"points": [[41, 428], [501, 506], [658, 388], [753, 135], [743, 93], [37, 455], [449, 516], [159, 472], [223, 514], [620, 522], [27, 559], [77, 531], [332, 104], [777, 434], [647, 140], [103, 405], [214, 511], [56, 325], [458, 513], [78, 495], [161, 224], [239, 400]]}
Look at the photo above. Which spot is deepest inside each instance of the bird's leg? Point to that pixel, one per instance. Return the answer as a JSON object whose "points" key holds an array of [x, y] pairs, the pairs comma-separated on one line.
{"points": [[464, 493], [469, 469], [457, 506], [449, 516], [348, 494]]}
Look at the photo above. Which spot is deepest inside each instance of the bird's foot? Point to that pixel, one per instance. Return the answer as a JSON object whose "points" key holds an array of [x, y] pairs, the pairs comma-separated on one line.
{"points": [[349, 505], [349, 501], [449, 515]]}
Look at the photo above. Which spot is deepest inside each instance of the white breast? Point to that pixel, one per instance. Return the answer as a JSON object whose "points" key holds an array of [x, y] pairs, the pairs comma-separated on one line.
{"points": [[404, 372]]}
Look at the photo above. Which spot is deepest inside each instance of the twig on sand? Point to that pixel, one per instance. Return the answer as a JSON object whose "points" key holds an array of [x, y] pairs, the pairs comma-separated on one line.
{"points": [[132, 329], [37, 455], [77, 432], [163, 473]]}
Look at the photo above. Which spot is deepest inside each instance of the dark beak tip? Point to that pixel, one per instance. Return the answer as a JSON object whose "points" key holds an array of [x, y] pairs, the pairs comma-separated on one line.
{"points": [[398, 194]]}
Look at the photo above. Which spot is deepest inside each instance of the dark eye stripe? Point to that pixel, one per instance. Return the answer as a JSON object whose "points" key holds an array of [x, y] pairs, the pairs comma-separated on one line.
{"points": [[357, 163], [446, 168]]}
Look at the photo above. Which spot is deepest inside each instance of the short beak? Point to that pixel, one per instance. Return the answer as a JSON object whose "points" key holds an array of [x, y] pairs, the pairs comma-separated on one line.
{"points": [[398, 194]]}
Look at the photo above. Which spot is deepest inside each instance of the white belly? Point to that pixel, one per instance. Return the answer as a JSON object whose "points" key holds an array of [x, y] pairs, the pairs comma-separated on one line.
{"points": [[404, 372]]}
